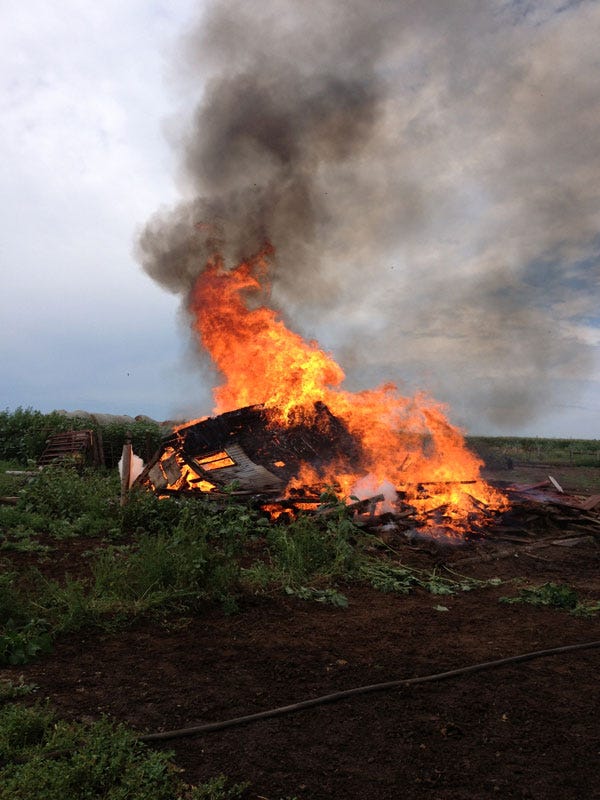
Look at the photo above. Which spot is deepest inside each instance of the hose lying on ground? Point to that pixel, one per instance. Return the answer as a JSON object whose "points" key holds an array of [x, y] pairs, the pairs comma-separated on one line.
{"points": [[375, 687]]}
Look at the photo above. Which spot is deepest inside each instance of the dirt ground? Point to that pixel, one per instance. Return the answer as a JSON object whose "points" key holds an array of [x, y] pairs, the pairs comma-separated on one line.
{"points": [[522, 731]]}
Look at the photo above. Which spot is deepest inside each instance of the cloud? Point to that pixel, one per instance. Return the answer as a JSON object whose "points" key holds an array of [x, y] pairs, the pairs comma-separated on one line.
{"points": [[84, 163]]}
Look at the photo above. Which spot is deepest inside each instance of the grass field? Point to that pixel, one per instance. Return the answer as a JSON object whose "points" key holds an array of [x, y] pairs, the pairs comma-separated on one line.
{"points": [[574, 452]]}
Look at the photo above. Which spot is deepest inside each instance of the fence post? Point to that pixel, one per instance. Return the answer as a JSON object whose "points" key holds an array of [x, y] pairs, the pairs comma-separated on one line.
{"points": [[100, 448], [126, 468]]}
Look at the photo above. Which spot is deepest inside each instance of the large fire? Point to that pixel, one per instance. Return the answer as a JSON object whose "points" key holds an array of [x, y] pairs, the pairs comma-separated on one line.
{"points": [[407, 445]]}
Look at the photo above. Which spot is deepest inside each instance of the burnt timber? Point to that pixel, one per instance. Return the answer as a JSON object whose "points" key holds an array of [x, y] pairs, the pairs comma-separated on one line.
{"points": [[248, 448]]}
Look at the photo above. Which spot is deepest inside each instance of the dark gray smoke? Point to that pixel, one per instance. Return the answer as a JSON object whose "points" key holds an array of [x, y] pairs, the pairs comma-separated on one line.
{"points": [[428, 173], [292, 102]]}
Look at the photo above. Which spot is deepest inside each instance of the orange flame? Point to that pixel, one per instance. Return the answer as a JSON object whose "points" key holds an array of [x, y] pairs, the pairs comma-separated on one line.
{"points": [[406, 442], [262, 360]]}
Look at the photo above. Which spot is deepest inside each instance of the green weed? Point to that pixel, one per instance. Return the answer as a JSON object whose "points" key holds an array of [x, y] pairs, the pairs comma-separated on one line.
{"points": [[66, 606], [14, 604], [145, 513], [21, 542], [401, 579], [15, 521], [20, 643], [218, 788], [61, 492], [553, 595], [10, 485], [575, 452], [329, 596], [195, 563], [42, 756], [303, 551]]}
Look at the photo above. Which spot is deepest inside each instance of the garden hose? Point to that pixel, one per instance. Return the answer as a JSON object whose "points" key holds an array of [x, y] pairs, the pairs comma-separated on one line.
{"points": [[375, 687]]}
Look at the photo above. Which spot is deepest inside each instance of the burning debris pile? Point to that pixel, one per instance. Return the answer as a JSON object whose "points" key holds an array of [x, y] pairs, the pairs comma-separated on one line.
{"points": [[285, 429], [284, 155], [541, 516], [245, 453]]}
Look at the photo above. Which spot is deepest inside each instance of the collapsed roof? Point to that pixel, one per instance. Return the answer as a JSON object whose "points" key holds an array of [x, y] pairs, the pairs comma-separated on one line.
{"points": [[247, 447]]}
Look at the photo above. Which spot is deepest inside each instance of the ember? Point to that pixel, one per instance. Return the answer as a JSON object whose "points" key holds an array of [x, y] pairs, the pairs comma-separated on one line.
{"points": [[284, 426]]}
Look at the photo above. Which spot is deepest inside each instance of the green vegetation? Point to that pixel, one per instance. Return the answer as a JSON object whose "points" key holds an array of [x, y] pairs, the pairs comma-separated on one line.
{"points": [[554, 595], [170, 556], [496, 450], [42, 756], [308, 550], [24, 432]]}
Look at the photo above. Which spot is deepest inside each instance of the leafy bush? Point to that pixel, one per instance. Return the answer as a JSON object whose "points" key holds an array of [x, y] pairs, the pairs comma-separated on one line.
{"points": [[61, 492], [54, 760], [146, 437], [146, 513], [42, 756], [23, 433]]}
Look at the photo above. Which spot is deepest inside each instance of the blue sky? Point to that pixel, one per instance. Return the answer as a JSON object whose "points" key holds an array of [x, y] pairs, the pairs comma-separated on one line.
{"points": [[488, 298]]}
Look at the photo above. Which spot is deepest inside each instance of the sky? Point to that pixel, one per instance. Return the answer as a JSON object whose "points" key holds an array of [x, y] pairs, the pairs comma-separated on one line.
{"points": [[461, 248]]}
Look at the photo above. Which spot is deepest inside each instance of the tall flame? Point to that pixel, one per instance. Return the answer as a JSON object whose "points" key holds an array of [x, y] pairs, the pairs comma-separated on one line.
{"points": [[406, 442], [262, 360]]}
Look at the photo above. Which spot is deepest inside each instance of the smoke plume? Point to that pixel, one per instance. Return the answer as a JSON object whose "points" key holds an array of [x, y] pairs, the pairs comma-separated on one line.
{"points": [[428, 173]]}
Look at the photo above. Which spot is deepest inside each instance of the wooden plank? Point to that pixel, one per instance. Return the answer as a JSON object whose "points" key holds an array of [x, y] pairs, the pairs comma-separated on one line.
{"points": [[528, 487], [126, 470], [556, 484], [591, 503], [574, 541]]}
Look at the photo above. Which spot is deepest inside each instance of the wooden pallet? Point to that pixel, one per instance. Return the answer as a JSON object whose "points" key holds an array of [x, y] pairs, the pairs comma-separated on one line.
{"points": [[78, 445]]}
